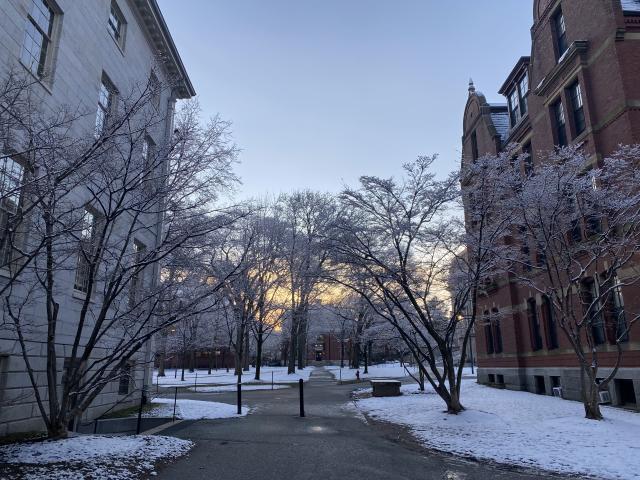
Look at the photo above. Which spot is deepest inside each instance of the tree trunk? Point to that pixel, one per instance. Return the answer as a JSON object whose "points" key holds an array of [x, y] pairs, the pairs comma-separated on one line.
{"points": [[355, 355], [245, 365], [192, 361], [366, 357], [293, 344], [590, 397], [184, 361], [342, 351], [210, 360], [259, 341], [302, 342], [161, 359]]}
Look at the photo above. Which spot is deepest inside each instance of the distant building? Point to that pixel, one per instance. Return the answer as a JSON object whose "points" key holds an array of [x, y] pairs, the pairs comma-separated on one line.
{"points": [[580, 85], [82, 53]]}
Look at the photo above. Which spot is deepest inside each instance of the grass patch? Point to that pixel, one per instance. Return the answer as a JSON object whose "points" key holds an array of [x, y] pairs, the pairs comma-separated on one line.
{"points": [[22, 437], [132, 411]]}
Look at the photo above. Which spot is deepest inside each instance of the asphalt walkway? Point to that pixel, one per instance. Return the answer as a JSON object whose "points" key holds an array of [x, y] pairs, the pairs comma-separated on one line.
{"points": [[331, 442]]}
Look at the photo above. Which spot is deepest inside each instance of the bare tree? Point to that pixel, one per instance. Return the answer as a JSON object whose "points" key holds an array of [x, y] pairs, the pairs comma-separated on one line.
{"points": [[402, 237], [103, 211], [308, 217], [575, 243]]}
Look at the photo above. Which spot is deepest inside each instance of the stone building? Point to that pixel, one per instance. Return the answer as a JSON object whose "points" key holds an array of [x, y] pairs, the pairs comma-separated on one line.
{"points": [[82, 54], [579, 85]]}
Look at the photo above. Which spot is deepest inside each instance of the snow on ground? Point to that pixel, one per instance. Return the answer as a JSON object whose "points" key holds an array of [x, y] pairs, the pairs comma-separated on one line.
{"points": [[382, 370], [222, 377], [232, 388], [194, 409], [519, 428], [91, 457]]}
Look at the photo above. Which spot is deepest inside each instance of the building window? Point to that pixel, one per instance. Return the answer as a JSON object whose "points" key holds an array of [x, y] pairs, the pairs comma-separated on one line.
{"points": [[560, 124], [11, 174], [88, 228], [105, 105], [523, 90], [488, 334], [549, 323], [116, 24], [560, 33], [137, 276], [575, 92], [37, 38], [534, 325], [617, 328], [514, 107], [497, 332], [125, 380], [474, 146], [592, 309]]}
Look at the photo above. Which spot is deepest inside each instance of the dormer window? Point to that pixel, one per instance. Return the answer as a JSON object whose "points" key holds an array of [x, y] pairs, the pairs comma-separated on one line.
{"points": [[518, 100], [560, 33]]}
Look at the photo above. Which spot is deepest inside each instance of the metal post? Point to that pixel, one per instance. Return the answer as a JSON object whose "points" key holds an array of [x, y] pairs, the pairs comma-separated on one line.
{"points": [[301, 383], [340, 374], [95, 426], [471, 354], [195, 382], [239, 398], [175, 400], [139, 424], [272, 380]]}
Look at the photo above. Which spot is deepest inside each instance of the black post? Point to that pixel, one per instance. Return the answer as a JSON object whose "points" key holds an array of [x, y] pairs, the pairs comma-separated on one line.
{"points": [[95, 426], [175, 400], [138, 425], [239, 398], [301, 383]]}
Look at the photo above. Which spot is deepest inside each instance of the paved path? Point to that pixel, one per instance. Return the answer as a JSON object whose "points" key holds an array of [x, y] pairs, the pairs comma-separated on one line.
{"points": [[331, 442]]}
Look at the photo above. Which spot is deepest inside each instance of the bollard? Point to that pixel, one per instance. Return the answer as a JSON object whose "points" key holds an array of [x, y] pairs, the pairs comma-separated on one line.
{"points": [[239, 398], [175, 400], [301, 383], [138, 425]]}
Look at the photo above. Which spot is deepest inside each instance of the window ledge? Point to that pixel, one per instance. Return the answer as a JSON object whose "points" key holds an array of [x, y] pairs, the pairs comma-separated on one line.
{"points": [[41, 81], [576, 49], [78, 295], [115, 40]]}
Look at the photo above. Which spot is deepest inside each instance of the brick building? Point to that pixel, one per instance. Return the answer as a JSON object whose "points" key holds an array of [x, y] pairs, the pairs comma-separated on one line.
{"points": [[81, 54], [579, 85]]}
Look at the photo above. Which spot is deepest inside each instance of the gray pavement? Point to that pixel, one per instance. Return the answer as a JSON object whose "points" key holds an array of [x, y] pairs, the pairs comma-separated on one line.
{"points": [[331, 442]]}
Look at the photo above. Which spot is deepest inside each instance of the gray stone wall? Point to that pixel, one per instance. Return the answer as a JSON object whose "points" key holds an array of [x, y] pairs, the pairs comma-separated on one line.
{"points": [[82, 49]]}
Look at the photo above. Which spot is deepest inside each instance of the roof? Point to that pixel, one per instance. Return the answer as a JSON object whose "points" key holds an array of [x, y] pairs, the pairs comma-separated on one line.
{"points": [[500, 119], [163, 42], [515, 71], [630, 6]]}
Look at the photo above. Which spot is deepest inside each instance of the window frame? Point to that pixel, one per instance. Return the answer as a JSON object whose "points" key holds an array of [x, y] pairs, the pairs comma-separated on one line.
{"points": [[560, 34], [13, 194], [561, 138], [86, 246], [39, 68], [104, 111], [117, 31], [577, 108], [534, 324]]}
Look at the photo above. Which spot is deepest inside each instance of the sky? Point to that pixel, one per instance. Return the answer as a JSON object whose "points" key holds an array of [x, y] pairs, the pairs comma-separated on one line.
{"points": [[321, 92]]}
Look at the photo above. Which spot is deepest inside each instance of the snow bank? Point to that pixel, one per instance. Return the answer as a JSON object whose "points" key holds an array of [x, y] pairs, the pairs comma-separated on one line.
{"points": [[383, 370], [221, 377], [93, 456], [232, 388], [519, 428], [194, 409]]}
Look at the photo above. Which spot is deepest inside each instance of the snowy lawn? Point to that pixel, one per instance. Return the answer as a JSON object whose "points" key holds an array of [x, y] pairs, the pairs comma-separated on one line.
{"points": [[194, 409], [232, 388], [221, 377], [91, 457], [519, 428], [382, 370]]}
